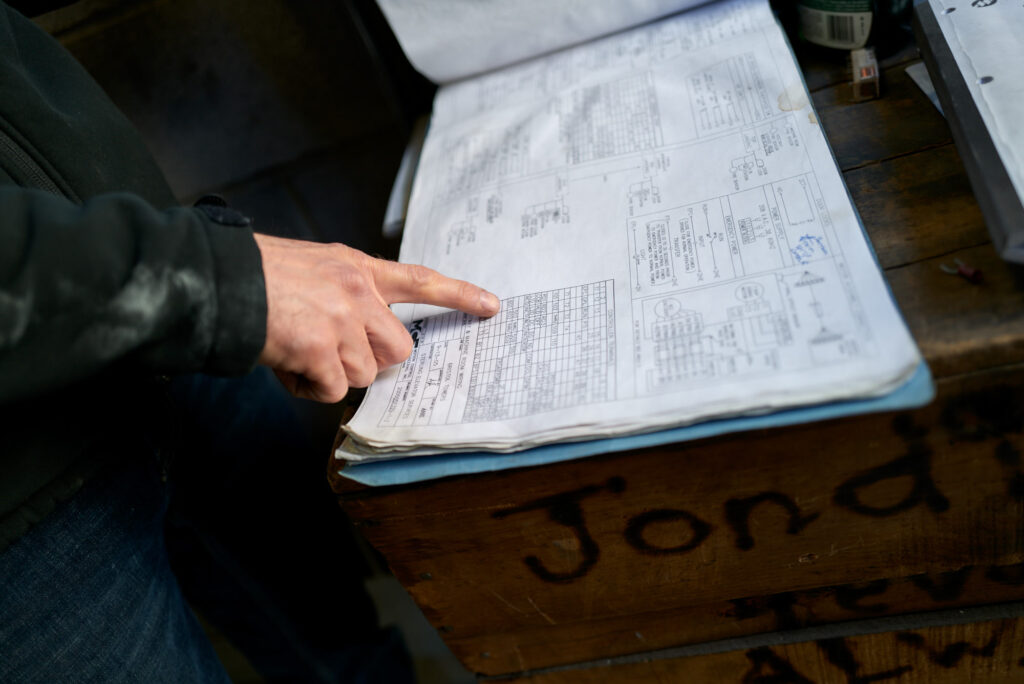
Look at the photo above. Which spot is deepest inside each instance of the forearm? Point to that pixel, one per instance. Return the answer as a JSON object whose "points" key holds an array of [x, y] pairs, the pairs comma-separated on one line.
{"points": [[117, 282]]}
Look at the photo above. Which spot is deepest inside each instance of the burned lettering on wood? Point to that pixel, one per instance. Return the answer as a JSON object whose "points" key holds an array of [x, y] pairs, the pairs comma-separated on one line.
{"points": [[916, 464], [768, 667], [737, 514], [1010, 575], [1009, 457], [781, 605], [950, 656], [903, 425], [699, 531], [1007, 454], [839, 654], [995, 413], [849, 596], [565, 509], [943, 586], [992, 413], [1015, 487], [970, 419], [788, 606]]}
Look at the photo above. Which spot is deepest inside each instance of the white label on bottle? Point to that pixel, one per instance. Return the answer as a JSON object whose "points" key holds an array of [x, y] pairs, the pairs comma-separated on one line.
{"points": [[845, 30]]}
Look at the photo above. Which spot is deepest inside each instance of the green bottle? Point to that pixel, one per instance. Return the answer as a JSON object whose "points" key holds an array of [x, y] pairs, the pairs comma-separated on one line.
{"points": [[852, 24]]}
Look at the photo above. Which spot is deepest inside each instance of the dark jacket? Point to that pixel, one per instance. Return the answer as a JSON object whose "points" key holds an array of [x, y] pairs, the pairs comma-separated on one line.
{"points": [[105, 284]]}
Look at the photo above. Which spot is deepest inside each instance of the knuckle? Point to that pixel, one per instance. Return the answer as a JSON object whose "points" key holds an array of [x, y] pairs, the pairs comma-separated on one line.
{"points": [[356, 257], [335, 392], [467, 292], [391, 357], [398, 349], [290, 346], [421, 277], [363, 374], [338, 310], [333, 383], [403, 348], [349, 278], [355, 282], [340, 250], [315, 341]]}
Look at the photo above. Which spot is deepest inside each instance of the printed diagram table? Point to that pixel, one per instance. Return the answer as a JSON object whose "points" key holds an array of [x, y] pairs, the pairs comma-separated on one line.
{"points": [[546, 351], [876, 548], [552, 349]]}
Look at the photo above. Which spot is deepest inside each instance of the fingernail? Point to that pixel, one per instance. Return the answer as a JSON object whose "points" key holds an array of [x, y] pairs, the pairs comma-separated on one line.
{"points": [[489, 302]]}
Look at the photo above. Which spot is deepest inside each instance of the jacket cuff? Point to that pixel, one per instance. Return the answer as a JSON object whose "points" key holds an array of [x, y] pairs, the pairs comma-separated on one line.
{"points": [[241, 329]]}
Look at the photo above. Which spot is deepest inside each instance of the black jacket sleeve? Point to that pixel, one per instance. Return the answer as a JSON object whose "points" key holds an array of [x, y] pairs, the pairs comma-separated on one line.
{"points": [[114, 281]]}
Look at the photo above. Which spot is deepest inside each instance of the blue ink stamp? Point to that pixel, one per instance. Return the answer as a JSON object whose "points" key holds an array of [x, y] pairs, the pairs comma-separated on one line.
{"points": [[809, 248]]}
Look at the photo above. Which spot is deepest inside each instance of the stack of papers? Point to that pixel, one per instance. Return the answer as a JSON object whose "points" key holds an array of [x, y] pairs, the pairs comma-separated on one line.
{"points": [[669, 233]]}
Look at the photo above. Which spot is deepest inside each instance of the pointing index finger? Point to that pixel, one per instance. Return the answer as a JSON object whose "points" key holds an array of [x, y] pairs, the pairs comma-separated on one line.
{"points": [[421, 285]]}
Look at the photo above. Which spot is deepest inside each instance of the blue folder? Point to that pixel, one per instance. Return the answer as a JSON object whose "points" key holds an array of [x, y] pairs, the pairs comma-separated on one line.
{"points": [[917, 391]]}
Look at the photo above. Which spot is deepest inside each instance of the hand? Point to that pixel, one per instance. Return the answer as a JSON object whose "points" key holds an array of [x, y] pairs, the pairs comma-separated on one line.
{"points": [[328, 322]]}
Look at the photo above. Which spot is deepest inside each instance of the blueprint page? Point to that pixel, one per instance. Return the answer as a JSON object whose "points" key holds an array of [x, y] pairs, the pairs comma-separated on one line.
{"points": [[671, 239]]}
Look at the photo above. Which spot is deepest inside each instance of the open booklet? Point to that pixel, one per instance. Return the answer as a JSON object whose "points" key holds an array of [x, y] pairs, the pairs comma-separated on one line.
{"points": [[666, 226]]}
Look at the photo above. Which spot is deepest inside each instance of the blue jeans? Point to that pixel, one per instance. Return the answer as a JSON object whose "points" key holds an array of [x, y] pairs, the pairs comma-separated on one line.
{"points": [[234, 517]]}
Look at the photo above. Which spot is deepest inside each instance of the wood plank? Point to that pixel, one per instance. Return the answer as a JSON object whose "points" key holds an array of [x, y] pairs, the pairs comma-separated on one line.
{"points": [[917, 207], [977, 652], [520, 650], [961, 327], [901, 122], [835, 503]]}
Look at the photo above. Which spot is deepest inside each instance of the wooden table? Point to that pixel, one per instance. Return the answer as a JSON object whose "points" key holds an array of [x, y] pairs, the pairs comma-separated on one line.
{"points": [[873, 548]]}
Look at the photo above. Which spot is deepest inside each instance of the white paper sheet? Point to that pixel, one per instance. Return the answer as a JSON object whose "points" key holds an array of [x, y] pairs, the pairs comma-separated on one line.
{"points": [[670, 236], [450, 39]]}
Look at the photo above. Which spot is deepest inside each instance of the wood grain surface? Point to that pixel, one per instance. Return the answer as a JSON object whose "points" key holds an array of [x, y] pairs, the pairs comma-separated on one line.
{"points": [[987, 652]]}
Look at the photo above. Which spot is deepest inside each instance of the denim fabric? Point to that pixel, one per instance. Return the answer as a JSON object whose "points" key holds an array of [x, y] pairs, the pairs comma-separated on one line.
{"points": [[88, 595], [235, 501]]}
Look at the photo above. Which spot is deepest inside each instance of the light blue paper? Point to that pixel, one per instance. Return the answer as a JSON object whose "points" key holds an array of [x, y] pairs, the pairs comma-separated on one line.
{"points": [[917, 391]]}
